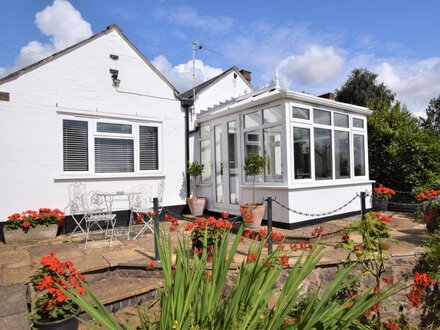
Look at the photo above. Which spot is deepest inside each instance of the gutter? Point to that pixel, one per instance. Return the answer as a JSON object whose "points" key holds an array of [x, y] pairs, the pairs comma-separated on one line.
{"points": [[186, 104]]}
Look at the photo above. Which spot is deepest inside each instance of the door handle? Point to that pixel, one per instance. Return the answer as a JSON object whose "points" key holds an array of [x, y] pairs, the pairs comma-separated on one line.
{"points": [[221, 168]]}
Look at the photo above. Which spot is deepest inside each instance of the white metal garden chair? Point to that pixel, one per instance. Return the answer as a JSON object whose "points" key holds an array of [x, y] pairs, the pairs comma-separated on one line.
{"points": [[142, 205], [77, 206], [98, 212]]}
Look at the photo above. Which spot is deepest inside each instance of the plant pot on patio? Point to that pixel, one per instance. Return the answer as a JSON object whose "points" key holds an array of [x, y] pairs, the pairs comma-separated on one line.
{"points": [[252, 214], [70, 323], [40, 232], [196, 205], [380, 205]]}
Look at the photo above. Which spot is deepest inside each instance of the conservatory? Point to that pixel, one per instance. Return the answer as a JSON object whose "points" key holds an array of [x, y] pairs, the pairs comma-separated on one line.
{"points": [[316, 151]]}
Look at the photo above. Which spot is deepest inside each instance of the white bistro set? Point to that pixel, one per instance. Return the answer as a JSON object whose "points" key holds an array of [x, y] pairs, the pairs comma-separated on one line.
{"points": [[93, 212]]}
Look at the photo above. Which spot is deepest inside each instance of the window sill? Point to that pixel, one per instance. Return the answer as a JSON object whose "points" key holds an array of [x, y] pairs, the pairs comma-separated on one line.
{"points": [[68, 177], [309, 184]]}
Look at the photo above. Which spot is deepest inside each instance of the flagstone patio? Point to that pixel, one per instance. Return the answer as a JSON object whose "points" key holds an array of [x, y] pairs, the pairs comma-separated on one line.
{"points": [[119, 272]]}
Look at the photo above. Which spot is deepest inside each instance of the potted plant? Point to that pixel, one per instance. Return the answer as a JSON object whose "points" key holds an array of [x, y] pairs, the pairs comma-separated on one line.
{"points": [[381, 196], [196, 204], [212, 230], [430, 208], [50, 306], [253, 213], [32, 225]]}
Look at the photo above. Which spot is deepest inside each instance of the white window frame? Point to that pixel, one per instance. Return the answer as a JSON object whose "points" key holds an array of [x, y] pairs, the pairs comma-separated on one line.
{"points": [[311, 125], [260, 128], [93, 133]]}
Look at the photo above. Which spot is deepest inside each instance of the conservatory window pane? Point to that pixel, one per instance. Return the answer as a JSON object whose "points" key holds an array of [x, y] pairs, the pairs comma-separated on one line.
{"points": [[323, 154], [359, 155], [322, 117], [272, 115], [341, 120], [358, 123], [272, 151], [300, 113], [252, 146], [301, 151], [342, 155], [205, 152], [252, 119]]}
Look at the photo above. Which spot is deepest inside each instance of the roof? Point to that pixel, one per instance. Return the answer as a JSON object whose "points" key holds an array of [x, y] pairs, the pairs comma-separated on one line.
{"points": [[110, 28], [199, 88], [273, 93]]}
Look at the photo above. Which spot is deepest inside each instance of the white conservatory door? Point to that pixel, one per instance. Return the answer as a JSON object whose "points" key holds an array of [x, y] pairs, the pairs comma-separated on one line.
{"points": [[226, 166]]}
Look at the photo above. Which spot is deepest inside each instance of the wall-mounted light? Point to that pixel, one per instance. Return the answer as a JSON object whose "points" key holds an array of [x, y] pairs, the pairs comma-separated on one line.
{"points": [[114, 77]]}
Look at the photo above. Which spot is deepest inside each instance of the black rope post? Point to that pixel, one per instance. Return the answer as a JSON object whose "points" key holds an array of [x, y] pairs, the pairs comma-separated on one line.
{"points": [[269, 223], [363, 205], [156, 228]]}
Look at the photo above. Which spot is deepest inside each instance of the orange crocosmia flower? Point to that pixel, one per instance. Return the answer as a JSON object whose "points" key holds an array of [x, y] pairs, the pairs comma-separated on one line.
{"points": [[293, 246], [284, 260], [151, 264], [252, 257]]}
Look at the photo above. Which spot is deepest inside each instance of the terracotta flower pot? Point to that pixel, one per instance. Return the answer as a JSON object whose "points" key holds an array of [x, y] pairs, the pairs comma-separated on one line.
{"points": [[257, 211], [196, 205]]}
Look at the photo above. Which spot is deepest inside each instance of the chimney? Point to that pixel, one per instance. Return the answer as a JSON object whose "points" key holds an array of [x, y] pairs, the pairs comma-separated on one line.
{"points": [[246, 75], [330, 96]]}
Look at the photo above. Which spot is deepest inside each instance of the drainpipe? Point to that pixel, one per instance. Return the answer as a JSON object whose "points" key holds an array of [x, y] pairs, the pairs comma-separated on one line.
{"points": [[186, 104]]}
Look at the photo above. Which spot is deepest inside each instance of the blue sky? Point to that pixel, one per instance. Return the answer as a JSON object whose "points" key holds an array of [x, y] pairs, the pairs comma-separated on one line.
{"points": [[312, 44]]}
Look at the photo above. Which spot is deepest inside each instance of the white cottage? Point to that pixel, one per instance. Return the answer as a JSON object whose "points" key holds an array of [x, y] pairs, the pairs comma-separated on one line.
{"points": [[316, 150], [97, 112]]}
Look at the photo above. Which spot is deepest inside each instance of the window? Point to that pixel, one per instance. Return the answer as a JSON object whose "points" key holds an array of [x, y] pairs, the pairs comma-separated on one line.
{"points": [[300, 113], [252, 119], [205, 152], [262, 134], [148, 148], [323, 154], [114, 155], [272, 115], [301, 150], [359, 155], [272, 151], [116, 147], [358, 123], [322, 117], [342, 155], [75, 146], [340, 120]]}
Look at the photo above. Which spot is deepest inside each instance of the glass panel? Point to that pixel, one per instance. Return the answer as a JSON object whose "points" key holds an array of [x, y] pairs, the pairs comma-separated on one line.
{"points": [[232, 162], [358, 123], [252, 119], [323, 154], [301, 150], [113, 156], [272, 151], [114, 128], [148, 148], [300, 113], [205, 152], [341, 120], [218, 164], [359, 155], [342, 155], [272, 115], [75, 145], [252, 146], [322, 117]]}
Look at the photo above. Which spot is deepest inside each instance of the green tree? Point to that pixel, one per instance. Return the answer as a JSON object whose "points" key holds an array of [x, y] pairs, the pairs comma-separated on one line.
{"points": [[362, 88], [432, 121]]}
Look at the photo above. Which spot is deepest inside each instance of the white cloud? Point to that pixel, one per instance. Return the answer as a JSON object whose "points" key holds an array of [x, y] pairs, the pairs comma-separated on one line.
{"points": [[64, 26], [316, 65], [188, 16], [181, 74], [415, 82]]}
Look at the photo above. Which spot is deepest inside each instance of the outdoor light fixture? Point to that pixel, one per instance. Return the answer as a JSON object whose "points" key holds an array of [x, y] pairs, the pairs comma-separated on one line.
{"points": [[114, 77]]}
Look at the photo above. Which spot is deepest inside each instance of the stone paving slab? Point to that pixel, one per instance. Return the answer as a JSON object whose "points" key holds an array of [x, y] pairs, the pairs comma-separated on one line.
{"points": [[13, 307]]}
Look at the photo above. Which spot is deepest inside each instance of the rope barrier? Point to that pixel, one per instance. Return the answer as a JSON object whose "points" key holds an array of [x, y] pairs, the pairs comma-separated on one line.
{"points": [[315, 215]]}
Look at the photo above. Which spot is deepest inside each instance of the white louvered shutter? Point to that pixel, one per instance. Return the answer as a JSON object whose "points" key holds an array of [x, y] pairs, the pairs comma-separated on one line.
{"points": [[148, 148], [75, 146]]}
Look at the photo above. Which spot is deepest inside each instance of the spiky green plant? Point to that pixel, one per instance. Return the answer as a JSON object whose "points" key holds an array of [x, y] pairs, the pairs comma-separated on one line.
{"points": [[194, 294]]}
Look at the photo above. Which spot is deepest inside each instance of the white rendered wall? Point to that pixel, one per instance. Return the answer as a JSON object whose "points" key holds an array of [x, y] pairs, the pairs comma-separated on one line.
{"points": [[31, 126]]}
